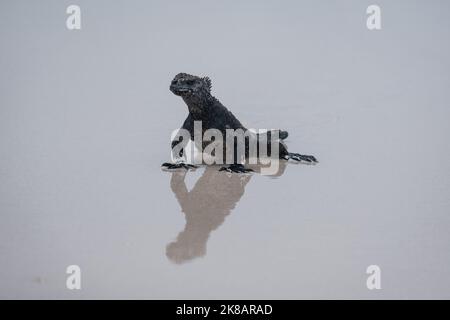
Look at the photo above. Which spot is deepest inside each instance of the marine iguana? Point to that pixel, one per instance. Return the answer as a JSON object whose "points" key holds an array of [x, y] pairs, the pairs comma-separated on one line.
{"points": [[202, 106]]}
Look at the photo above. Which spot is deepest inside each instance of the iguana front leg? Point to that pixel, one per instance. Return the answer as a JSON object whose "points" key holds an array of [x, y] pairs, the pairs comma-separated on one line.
{"points": [[180, 165], [236, 168], [178, 156], [180, 162]]}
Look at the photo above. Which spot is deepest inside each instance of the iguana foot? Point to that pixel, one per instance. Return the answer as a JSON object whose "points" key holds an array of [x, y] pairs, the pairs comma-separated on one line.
{"points": [[179, 165], [302, 158], [236, 168]]}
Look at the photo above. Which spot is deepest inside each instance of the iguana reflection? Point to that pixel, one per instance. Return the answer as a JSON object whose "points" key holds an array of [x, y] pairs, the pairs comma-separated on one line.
{"points": [[206, 206]]}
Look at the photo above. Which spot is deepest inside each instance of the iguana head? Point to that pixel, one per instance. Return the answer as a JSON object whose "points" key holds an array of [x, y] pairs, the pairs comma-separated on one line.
{"points": [[189, 86]]}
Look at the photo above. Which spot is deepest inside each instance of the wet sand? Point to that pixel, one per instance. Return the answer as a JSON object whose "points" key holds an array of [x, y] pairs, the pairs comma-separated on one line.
{"points": [[86, 120]]}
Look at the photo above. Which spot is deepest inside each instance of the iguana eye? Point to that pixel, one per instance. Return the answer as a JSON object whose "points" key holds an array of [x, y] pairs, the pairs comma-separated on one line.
{"points": [[189, 82]]}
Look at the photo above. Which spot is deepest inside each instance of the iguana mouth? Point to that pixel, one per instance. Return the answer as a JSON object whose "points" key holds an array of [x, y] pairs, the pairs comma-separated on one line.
{"points": [[180, 91]]}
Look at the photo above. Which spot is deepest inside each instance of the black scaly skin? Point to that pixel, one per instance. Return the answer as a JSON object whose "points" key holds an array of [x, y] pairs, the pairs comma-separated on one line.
{"points": [[202, 106]]}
